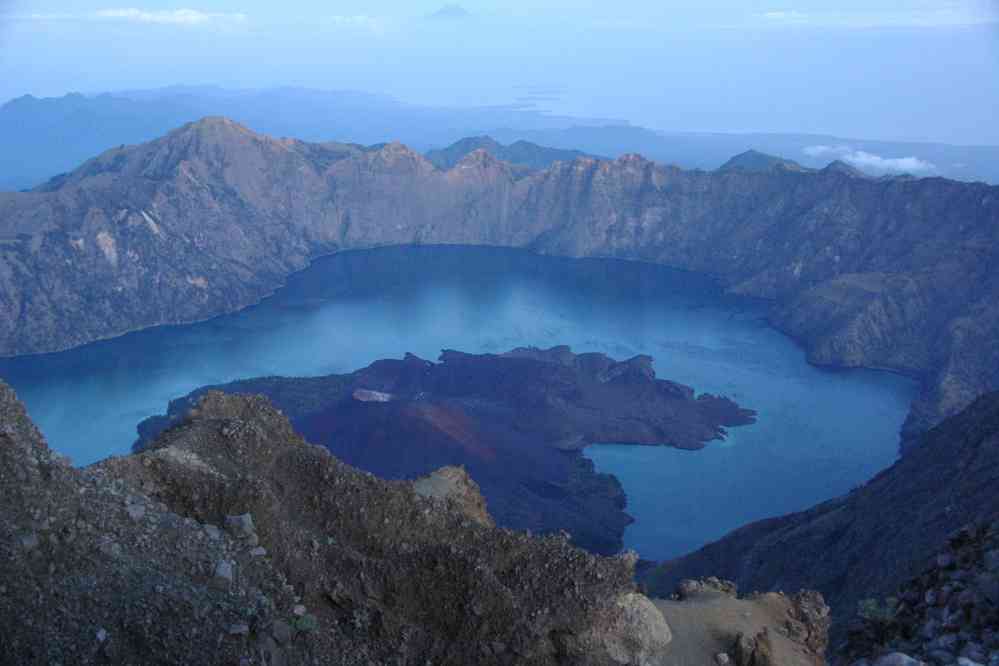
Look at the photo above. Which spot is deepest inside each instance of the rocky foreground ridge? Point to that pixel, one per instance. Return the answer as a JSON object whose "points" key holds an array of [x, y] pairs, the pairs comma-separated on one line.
{"points": [[515, 421], [232, 541], [947, 615], [900, 274]]}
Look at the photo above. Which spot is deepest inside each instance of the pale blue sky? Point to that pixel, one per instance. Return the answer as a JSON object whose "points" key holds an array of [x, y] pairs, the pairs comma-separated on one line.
{"points": [[904, 69]]}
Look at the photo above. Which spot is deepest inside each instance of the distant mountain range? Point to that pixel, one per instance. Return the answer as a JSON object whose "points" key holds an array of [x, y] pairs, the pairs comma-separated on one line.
{"points": [[42, 137], [704, 150]]}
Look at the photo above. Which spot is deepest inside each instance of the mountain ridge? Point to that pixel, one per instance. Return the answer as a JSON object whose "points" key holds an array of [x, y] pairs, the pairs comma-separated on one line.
{"points": [[896, 274]]}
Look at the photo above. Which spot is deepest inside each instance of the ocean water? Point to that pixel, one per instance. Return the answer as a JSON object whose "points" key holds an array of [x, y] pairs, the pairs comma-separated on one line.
{"points": [[819, 433]]}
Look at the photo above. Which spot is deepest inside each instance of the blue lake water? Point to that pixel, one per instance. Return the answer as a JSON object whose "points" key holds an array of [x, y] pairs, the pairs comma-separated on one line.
{"points": [[819, 433]]}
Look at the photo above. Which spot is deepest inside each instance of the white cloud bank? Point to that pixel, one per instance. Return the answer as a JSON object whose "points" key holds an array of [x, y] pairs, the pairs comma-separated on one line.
{"points": [[946, 14], [786, 16], [358, 21], [168, 17], [179, 17], [870, 161]]}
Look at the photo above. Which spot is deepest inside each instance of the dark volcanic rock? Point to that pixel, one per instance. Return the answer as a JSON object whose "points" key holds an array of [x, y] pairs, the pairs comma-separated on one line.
{"points": [[515, 421], [868, 542], [901, 274]]}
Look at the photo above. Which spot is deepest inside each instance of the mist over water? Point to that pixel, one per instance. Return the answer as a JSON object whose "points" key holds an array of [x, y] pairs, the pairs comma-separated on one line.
{"points": [[819, 433]]}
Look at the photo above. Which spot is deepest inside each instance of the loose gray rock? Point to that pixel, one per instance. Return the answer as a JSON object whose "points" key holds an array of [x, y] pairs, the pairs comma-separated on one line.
{"points": [[28, 541], [282, 632], [223, 574], [241, 525], [239, 629], [898, 659]]}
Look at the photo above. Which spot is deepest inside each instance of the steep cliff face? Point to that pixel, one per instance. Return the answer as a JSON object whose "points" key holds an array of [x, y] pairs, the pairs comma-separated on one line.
{"points": [[868, 542], [900, 274]]}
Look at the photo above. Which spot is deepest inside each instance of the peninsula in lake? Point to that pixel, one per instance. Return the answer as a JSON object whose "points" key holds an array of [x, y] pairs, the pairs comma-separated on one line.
{"points": [[516, 421]]}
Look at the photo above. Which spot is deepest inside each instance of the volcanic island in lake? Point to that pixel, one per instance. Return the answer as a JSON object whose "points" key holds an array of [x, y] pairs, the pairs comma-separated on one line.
{"points": [[516, 421]]}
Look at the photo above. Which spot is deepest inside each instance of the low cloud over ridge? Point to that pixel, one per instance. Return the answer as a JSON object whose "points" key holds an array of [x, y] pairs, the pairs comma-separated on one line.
{"points": [[871, 161]]}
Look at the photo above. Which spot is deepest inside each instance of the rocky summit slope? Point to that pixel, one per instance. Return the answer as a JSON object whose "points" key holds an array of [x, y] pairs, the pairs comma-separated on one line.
{"points": [[900, 274], [868, 542], [232, 541], [947, 615], [516, 421]]}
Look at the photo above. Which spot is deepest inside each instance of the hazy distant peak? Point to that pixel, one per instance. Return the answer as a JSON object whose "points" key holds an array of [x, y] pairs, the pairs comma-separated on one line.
{"points": [[213, 121], [633, 158], [450, 12], [211, 130], [479, 156], [474, 143], [23, 100], [520, 153], [839, 166], [755, 161]]}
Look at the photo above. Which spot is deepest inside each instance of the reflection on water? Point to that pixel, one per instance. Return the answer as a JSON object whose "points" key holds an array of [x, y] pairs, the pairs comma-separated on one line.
{"points": [[819, 432]]}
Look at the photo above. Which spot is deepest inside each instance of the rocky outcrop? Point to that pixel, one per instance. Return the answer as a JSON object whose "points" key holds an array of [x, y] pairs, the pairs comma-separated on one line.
{"points": [[453, 484], [713, 625], [898, 274], [868, 542], [948, 614], [515, 421], [231, 540]]}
